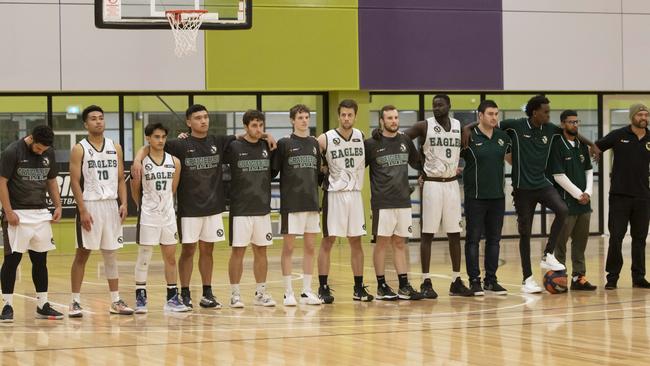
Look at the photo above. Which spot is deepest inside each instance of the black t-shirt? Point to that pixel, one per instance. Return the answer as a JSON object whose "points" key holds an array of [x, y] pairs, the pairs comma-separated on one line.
{"points": [[27, 175], [250, 187], [298, 160], [200, 189], [388, 158], [630, 175]]}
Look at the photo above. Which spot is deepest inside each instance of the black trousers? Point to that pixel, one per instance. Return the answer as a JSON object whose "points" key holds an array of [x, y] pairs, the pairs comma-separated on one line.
{"points": [[636, 212], [483, 217], [525, 201]]}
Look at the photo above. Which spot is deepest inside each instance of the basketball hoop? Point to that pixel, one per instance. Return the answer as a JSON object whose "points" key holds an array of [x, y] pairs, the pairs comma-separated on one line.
{"points": [[185, 26]]}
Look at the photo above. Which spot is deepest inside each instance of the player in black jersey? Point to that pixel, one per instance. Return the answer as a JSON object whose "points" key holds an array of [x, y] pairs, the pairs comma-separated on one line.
{"points": [[389, 157], [298, 161], [27, 172]]}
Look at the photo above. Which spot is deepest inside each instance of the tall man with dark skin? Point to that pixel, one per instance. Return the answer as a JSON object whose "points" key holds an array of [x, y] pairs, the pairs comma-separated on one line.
{"points": [[629, 195]]}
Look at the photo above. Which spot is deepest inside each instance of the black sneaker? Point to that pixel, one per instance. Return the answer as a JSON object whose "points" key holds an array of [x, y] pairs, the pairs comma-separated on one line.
{"points": [[384, 292], [610, 285], [325, 294], [7, 315], [209, 301], [408, 293], [642, 283], [47, 312], [458, 288], [427, 290], [494, 288], [581, 284], [187, 300], [361, 294], [475, 288]]}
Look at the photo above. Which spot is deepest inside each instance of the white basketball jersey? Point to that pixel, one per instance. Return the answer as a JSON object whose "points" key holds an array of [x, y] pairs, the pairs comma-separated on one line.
{"points": [[99, 171], [157, 200], [441, 149], [346, 161]]}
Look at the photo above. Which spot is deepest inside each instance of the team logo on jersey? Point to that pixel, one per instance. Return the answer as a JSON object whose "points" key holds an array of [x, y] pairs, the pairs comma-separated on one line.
{"points": [[91, 153], [336, 141], [265, 154], [220, 233], [500, 141], [46, 161], [647, 146], [363, 226], [176, 235], [544, 139], [410, 229], [582, 158], [148, 166], [402, 147], [120, 239], [213, 149], [52, 241], [437, 129], [269, 236]]}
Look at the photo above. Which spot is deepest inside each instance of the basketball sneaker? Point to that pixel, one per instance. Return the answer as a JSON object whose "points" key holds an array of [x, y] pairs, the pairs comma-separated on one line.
{"points": [[494, 288], [75, 310], [290, 300], [529, 286], [611, 285], [140, 301], [120, 307], [475, 288], [263, 299], [325, 294], [384, 292], [209, 301], [175, 305], [7, 315], [361, 294], [426, 288], [235, 301], [187, 299], [408, 293], [458, 288], [549, 262], [308, 298], [581, 284], [642, 283], [47, 312]]}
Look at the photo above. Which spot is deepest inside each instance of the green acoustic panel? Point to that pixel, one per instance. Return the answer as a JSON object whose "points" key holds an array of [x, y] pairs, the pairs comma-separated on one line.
{"points": [[290, 47]]}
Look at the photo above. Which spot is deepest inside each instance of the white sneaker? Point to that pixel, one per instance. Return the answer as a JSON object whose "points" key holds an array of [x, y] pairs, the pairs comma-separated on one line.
{"points": [[263, 299], [529, 286], [290, 300], [308, 298], [235, 301], [549, 262]]}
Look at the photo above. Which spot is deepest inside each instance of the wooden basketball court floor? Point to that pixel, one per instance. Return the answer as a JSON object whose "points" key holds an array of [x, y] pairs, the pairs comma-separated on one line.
{"points": [[603, 327]]}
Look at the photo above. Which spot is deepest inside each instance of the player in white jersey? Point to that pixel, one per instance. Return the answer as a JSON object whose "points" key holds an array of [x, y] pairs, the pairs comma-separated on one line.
{"points": [[97, 180], [343, 214], [441, 207], [153, 192]]}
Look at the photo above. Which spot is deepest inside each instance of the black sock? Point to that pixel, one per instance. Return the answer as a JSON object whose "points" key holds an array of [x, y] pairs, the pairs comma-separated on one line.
{"points": [[381, 281], [403, 279], [172, 290], [322, 280], [207, 290], [358, 281], [185, 291]]}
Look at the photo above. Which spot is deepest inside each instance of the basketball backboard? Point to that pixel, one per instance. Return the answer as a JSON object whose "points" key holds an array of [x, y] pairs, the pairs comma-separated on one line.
{"points": [[150, 14]]}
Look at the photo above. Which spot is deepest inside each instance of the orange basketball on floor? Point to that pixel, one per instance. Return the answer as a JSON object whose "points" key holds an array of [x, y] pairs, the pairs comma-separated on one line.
{"points": [[555, 282]]}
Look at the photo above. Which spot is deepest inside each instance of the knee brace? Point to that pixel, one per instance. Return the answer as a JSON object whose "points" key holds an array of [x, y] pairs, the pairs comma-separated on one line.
{"points": [[142, 263]]}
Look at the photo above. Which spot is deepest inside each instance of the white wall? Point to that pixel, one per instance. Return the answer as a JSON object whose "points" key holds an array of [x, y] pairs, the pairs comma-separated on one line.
{"points": [[49, 47]]}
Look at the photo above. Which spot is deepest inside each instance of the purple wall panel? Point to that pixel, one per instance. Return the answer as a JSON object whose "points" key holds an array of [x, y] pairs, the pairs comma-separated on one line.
{"points": [[419, 48]]}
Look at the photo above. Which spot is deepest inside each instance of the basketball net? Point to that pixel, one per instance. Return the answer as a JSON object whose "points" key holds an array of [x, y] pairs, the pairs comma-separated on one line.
{"points": [[185, 26]]}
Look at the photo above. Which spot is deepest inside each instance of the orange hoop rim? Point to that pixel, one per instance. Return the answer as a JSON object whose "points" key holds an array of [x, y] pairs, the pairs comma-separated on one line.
{"points": [[177, 13]]}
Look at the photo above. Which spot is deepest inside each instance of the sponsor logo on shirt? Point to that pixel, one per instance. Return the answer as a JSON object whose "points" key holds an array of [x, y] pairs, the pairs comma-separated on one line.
{"points": [[170, 166], [380, 150], [582, 158], [527, 136], [336, 141], [213, 149], [456, 131], [111, 152], [148, 166], [402, 147], [356, 140], [625, 141], [437, 129], [46, 161], [297, 148], [265, 153]]}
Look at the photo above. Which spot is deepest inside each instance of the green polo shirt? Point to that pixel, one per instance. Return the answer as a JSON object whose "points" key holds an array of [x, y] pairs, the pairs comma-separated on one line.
{"points": [[572, 160], [483, 176], [531, 147]]}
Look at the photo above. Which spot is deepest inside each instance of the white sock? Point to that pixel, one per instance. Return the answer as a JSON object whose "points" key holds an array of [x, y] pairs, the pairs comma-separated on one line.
{"points": [[234, 289], [9, 299], [454, 276], [115, 296], [41, 298], [287, 284], [306, 283], [261, 288], [425, 276], [140, 286], [76, 297], [575, 278]]}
